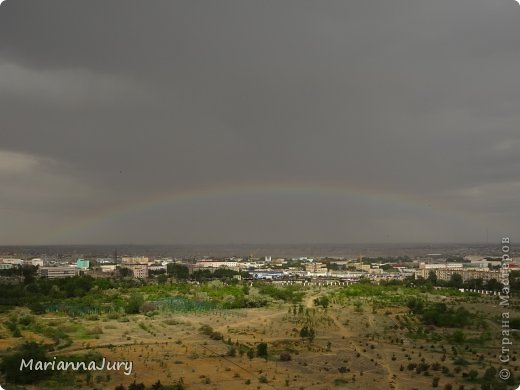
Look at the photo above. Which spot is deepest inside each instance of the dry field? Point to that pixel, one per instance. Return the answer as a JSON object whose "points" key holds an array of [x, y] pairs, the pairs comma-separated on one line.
{"points": [[355, 347]]}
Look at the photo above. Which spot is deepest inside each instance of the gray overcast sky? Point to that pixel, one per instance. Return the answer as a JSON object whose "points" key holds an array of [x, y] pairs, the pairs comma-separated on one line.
{"points": [[266, 121]]}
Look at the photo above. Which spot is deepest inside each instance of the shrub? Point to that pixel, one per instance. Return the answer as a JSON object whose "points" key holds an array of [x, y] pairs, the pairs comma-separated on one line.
{"points": [[261, 350], [10, 366], [136, 386], [285, 357], [134, 303]]}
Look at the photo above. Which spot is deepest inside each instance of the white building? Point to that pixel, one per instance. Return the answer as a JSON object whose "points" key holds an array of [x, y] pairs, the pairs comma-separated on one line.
{"points": [[18, 262], [135, 260], [211, 264], [108, 267], [37, 262]]}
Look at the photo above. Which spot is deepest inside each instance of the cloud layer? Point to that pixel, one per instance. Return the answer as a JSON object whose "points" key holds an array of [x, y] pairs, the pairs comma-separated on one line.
{"points": [[412, 103]]}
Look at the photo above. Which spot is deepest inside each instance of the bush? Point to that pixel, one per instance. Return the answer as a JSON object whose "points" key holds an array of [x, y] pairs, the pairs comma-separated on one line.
{"points": [[25, 320], [473, 375], [147, 307], [285, 357], [261, 350], [440, 315], [10, 366], [216, 336], [206, 329], [37, 308], [136, 386], [157, 385], [322, 301], [134, 303]]}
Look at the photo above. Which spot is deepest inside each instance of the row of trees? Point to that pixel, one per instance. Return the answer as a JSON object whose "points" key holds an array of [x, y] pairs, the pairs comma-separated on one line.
{"points": [[181, 272], [42, 290], [440, 314]]}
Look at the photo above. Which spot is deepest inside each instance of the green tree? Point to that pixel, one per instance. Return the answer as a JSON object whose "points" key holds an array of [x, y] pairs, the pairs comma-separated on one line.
{"points": [[135, 302], [456, 280], [124, 272], [136, 386], [458, 337], [322, 301], [415, 305], [493, 285], [490, 374], [477, 283], [432, 277], [312, 334], [29, 273], [10, 366], [178, 271], [162, 279], [37, 308], [261, 350]]}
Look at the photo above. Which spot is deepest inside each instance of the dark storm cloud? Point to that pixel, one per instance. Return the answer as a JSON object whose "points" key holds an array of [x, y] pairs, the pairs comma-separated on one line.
{"points": [[118, 100]]}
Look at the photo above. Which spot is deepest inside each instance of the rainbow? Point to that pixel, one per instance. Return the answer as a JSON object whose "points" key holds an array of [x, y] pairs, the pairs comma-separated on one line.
{"points": [[211, 192]]}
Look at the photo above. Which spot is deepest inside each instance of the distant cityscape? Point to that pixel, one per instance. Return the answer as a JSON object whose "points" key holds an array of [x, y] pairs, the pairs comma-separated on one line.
{"points": [[275, 269]]}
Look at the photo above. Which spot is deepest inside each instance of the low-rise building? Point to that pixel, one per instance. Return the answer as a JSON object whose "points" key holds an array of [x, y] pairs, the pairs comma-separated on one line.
{"points": [[467, 273], [18, 262], [135, 260], [82, 264], [139, 271], [155, 268], [57, 272], [35, 262], [316, 268], [107, 267], [214, 264]]}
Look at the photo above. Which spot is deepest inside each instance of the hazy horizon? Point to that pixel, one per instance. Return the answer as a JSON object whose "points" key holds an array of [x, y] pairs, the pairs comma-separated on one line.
{"points": [[285, 250]]}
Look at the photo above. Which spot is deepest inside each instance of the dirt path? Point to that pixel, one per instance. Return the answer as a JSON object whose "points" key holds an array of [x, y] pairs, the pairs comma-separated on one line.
{"points": [[347, 334]]}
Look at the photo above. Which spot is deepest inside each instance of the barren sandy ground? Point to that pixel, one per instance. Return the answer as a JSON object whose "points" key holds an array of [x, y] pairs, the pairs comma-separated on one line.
{"points": [[362, 342]]}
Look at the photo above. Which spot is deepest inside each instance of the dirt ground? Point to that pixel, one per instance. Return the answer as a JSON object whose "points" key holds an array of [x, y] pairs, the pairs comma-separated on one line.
{"points": [[353, 349]]}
